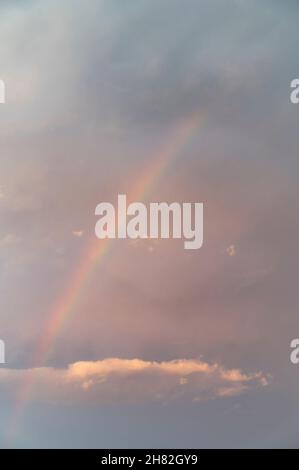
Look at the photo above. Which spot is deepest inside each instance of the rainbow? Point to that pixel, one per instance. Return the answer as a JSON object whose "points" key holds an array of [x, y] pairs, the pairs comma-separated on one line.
{"points": [[93, 256]]}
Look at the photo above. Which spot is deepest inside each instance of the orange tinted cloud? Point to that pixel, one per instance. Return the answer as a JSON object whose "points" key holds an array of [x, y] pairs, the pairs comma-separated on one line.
{"points": [[117, 380]]}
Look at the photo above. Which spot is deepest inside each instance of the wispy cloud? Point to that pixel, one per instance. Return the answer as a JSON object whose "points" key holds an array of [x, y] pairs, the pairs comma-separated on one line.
{"points": [[78, 233]]}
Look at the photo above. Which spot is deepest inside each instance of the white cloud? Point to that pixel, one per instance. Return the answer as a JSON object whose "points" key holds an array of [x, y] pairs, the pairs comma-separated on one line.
{"points": [[133, 380]]}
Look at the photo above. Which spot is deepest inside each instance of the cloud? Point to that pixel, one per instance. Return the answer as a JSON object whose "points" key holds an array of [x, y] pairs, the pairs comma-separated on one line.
{"points": [[113, 380], [231, 250], [9, 239], [78, 233]]}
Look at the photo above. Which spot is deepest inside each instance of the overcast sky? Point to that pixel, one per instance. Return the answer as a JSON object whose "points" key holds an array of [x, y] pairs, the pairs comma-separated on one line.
{"points": [[154, 345]]}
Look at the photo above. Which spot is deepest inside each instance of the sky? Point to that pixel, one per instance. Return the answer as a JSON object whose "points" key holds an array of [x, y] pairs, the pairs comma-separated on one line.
{"points": [[140, 343]]}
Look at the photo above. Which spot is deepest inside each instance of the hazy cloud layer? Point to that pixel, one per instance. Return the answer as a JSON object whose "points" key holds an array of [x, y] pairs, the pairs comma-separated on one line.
{"points": [[95, 90]]}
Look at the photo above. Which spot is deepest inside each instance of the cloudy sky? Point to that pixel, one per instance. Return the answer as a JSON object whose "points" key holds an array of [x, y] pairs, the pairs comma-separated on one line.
{"points": [[142, 343]]}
